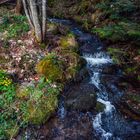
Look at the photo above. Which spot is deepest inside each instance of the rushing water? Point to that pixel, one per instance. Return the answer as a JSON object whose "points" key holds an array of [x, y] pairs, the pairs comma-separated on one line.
{"points": [[108, 124]]}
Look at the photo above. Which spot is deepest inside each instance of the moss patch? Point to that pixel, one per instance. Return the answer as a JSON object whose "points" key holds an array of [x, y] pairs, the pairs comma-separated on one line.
{"points": [[50, 67]]}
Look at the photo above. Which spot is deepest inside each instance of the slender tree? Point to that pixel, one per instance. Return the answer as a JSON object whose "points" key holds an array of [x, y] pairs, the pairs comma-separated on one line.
{"points": [[35, 11], [18, 8]]}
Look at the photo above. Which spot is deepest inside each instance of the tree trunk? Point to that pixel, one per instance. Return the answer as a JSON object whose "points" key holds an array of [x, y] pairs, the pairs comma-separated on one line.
{"points": [[35, 18], [36, 14], [44, 18], [18, 8]]}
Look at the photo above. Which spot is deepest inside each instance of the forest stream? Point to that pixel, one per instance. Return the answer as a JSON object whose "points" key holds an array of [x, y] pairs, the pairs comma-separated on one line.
{"points": [[105, 124]]}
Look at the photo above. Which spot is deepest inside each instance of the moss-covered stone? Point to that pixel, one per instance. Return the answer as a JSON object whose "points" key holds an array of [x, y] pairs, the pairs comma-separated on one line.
{"points": [[38, 102], [69, 43], [22, 93], [100, 107], [50, 67], [39, 111]]}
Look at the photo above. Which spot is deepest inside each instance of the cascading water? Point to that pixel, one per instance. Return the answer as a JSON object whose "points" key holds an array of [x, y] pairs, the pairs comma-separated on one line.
{"points": [[109, 123], [99, 59]]}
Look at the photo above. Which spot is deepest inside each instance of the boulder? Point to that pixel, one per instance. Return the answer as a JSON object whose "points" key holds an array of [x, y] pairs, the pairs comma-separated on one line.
{"points": [[81, 97]]}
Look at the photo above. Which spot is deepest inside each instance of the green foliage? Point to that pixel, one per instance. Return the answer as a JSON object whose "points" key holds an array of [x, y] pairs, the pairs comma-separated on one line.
{"points": [[40, 103], [7, 89], [125, 60], [7, 98], [118, 55], [69, 43], [121, 31], [14, 26], [115, 8], [32, 104]]}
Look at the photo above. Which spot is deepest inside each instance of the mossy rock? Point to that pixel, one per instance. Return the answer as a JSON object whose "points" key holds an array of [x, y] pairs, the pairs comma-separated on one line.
{"points": [[52, 28], [38, 102], [100, 107], [22, 93], [39, 112], [51, 68], [69, 43], [73, 65]]}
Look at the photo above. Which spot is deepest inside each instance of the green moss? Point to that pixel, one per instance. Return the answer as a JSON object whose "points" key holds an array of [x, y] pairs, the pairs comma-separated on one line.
{"points": [[100, 107], [22, 93], [41, 103], [69, 43], [50, 67], [118, 55], [39, 111]]}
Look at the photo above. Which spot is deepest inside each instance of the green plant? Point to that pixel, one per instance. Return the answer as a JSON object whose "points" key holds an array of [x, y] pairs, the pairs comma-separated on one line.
{"points": [[115, 9], [14, 26], [41, 102], [118, 55], [119, 32], [7, 98], [7, 88], [31, 104]]}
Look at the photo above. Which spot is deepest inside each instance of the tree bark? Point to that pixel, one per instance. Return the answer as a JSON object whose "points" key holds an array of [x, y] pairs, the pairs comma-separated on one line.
{"points": [[44, 18], [35, 11], [35, 19], [18, 8]]}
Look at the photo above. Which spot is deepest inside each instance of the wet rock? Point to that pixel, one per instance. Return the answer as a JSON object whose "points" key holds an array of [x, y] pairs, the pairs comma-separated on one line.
{"points": [[86, 48], [82, 74], [107, 79], [73, 127], [84, 38], [81, 97], [100, 107], [110, 69]]}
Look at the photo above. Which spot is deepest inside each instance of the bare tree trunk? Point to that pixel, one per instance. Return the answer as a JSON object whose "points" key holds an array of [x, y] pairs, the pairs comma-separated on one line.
{"points": [[37, 17], [18, 8], [44, 18], [25, 5]]}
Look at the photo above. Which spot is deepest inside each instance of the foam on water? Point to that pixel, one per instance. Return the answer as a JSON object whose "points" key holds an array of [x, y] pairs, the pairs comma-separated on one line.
{"points": [[94, 61], [97, 58]]}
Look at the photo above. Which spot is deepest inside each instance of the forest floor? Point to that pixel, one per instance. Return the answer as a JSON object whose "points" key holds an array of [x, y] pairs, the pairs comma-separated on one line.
{"points": [[20, 56]]}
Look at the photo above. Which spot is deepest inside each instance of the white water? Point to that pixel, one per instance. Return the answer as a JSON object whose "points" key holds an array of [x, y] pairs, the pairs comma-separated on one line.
{"points": [[96, 60]]}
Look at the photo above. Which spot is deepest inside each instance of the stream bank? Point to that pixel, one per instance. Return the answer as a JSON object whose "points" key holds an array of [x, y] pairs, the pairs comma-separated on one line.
{"points": [[74, 120]]}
